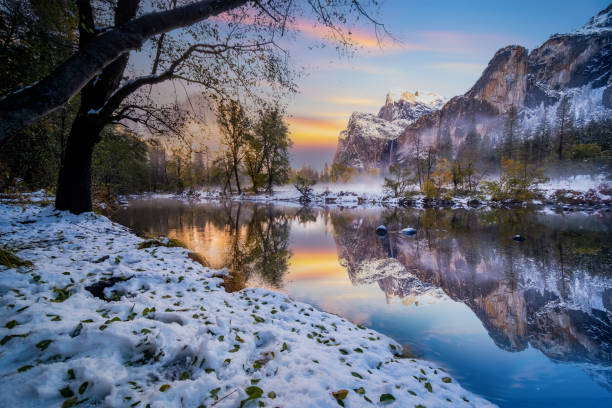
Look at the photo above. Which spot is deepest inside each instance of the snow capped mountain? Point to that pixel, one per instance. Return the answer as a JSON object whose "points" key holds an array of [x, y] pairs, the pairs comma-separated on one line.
{"points": [[365, 141], [597, 24], [577, 65], [371, 126], [410, 105]]}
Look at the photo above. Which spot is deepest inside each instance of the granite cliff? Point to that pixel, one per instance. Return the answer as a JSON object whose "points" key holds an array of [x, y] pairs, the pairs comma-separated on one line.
{"points": [[577, 64]]}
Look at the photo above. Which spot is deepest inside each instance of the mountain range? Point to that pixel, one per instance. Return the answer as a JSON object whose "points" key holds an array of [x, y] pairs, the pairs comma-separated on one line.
{"points": [[577, 64]]}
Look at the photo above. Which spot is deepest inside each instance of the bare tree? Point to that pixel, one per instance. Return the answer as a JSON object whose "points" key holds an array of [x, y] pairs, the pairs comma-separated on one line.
{"points": [[237, 52]]}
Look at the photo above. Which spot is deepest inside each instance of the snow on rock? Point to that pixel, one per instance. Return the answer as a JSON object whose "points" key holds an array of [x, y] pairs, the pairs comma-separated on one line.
{"points": [[170, 336], [370, 126], [368, 139], [410, 106], [597, 24], [374, 270]]}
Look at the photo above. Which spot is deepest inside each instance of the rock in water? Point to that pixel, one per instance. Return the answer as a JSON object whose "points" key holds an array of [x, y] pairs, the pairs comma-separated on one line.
{"points": [[381, 230], [518, 238], [408, 231]]}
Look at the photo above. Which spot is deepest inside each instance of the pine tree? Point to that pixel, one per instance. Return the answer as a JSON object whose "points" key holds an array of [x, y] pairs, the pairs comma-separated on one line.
{"points": [[325, 173], [564, 125], [542, 139], [510, 133]]}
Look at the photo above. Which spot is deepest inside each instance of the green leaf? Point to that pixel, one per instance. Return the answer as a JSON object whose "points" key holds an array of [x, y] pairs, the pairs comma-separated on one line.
{"points": [[61, 294], [66, 392], [24, 368], [285, 347], [83, 387], [77, 330], [69, 402], [253, 392], [358, 350], [354, 374], [428, 387], [11, 324], [359, 391], [5, 339], [214, 392], [164, 387], [42, 345], [447, 380], [271, 395], [387, 397], [343, 351]]}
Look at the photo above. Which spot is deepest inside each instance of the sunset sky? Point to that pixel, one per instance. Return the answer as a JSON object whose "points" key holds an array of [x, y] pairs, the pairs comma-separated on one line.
{"points": [[443, 47]]}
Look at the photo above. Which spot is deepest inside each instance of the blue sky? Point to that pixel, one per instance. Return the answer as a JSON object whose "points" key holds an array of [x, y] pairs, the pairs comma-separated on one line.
{"points": [[444, 46]]}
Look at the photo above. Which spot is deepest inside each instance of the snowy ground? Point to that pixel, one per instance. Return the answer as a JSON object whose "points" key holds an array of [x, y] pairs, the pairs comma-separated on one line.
{"points": [[172, 337]]}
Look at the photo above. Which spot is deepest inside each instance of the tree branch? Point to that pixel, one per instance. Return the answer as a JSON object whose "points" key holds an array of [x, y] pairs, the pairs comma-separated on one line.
{"points": [[25, 106]]}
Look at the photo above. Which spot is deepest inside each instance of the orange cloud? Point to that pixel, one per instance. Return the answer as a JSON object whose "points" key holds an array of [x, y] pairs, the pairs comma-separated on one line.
{"points": [[360, 38], [314, 132]]}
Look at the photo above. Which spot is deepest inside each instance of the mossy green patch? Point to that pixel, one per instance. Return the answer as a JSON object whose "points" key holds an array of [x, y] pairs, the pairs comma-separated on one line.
{"points": [[10, 260]]}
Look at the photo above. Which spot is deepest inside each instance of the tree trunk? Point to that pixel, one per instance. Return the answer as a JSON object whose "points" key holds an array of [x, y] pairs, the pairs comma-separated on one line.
{"points": [[236, 177], [74, 183]]}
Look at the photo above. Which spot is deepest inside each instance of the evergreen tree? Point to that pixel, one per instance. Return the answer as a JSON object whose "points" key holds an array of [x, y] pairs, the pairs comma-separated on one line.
{"points": [[564, 125], [510, 133], [542, 136]]}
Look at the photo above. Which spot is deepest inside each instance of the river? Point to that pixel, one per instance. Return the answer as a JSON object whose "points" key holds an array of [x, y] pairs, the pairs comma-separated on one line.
{"points": [[522, 323]]}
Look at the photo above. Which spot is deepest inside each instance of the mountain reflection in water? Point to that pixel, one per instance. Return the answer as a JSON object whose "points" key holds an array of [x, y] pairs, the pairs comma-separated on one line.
{"points": [[551, 293]]}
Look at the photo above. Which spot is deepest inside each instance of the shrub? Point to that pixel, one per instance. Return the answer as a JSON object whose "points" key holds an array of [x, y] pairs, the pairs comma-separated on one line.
{"points": [[517, 182], [400, 182], [586, 151], [304, 186], [430, 190]]}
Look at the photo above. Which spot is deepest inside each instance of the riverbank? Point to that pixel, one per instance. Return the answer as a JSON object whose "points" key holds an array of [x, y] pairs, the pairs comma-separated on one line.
{"points": [[104, 317], [568, 195]]}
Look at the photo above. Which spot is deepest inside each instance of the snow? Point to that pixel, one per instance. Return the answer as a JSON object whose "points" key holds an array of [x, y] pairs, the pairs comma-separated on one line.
{"points": [[598, 24], [371, 126], [430, 99], [171, 336], [368, 192], [586, 104]]}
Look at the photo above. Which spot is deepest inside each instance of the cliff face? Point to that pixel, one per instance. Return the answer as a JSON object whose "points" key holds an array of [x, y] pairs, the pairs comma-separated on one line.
{"points": [[369, 140], [578, 64], [503, 82]]}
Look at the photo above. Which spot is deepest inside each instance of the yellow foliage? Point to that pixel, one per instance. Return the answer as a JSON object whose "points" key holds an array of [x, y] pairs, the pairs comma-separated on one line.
{"points": [[429, 189]]}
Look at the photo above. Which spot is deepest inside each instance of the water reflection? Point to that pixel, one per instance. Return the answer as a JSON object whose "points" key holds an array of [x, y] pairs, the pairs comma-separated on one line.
{"points": [[460, 291], [552, 291]]}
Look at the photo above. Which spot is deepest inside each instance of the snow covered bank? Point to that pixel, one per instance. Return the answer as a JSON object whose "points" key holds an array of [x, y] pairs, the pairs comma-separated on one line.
{"points": [[578, 193], [170, 336]]}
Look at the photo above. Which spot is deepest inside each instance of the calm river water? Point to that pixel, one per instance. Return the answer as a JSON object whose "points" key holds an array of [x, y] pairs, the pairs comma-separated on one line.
{"points": [[524, 324]]}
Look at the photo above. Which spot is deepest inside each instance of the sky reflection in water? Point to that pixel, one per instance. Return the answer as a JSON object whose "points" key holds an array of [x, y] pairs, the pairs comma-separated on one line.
{"points": [[523, 324]]}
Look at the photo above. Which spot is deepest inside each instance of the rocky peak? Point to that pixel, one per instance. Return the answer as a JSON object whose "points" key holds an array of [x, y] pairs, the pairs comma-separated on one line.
{"points": [[410, 106], [599, 23], [503, 82]]}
